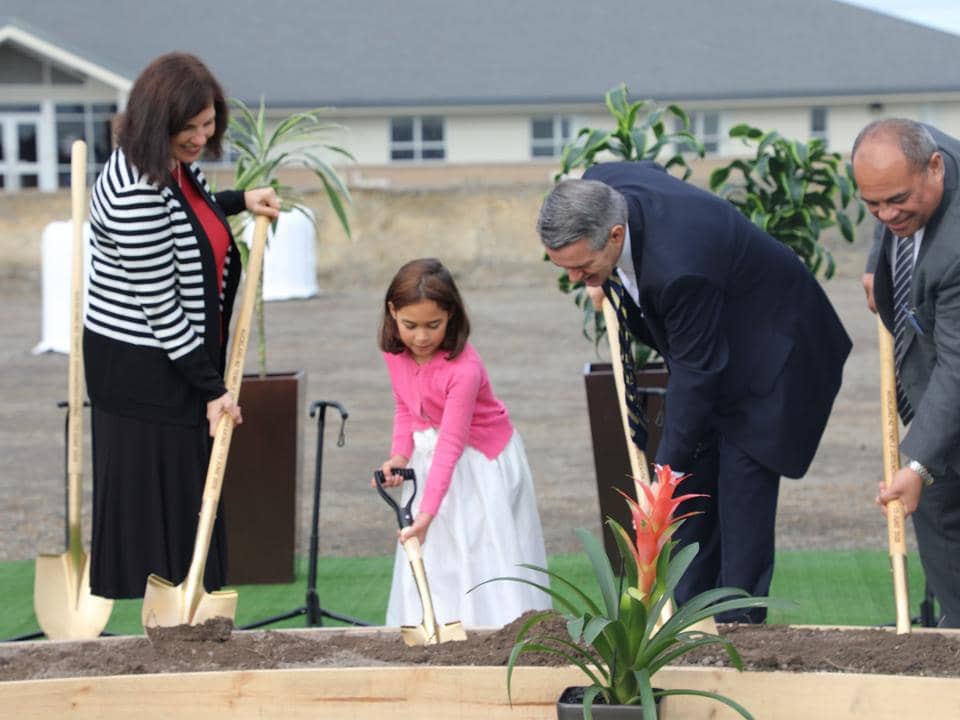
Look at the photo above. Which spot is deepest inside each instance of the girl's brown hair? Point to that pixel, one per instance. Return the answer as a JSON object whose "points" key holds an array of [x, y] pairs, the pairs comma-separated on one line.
{"points": [[425, 279], [173, 89]]}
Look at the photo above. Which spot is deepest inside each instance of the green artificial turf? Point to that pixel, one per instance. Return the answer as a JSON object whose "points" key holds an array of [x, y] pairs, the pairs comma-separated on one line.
{"points": [[840, 587], [827, 587]]}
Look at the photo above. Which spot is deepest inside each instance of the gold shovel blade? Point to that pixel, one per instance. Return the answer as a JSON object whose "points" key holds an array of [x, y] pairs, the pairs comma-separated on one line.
{"points": [[414, 635], [62, 602], [452, 632], [169, 605], [429, 631]]}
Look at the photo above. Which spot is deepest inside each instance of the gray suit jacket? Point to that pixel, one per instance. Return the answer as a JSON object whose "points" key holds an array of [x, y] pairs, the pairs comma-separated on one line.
{"points": [[930, 373]]}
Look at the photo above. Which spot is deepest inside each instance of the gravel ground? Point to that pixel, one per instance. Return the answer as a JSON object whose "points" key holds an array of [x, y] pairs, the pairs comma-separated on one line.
{"points": [[528, 335]]}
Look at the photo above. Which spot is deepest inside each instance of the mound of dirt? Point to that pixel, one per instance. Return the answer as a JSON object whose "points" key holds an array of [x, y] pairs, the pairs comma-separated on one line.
{"points": [[213, 647]]}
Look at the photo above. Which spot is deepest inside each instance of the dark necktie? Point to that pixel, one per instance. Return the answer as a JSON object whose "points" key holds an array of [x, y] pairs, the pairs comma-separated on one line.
{"points": [[636, 418], [902, 276]]}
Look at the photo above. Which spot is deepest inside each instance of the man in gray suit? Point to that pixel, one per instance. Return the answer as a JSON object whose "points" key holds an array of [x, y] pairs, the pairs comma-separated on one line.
{"points": [[908, 177]]}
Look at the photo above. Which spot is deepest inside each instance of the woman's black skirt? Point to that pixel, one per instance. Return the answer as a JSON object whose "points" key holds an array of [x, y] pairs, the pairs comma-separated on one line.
{"points": [[147, 488]]}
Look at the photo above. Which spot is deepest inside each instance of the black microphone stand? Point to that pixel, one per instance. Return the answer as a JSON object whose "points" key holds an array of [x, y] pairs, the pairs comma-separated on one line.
{"points": [[312, 608]]}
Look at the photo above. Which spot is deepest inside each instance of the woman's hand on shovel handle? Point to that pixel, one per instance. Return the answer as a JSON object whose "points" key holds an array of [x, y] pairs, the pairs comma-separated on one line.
{"points": [[419, 528], [389, 479], [219, 406], [905, 487], [262, 201]]}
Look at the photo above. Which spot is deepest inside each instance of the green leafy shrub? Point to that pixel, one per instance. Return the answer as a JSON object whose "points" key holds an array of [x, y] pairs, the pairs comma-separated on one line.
{"points": [[793, 191]]}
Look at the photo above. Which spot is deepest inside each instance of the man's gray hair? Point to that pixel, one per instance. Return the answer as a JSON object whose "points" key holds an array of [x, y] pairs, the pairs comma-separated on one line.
{"points": [[916, 142], [577, 209]]}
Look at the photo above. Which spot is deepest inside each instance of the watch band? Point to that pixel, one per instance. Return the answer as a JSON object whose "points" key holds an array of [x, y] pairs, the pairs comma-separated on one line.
{"points": [[921, 470]]}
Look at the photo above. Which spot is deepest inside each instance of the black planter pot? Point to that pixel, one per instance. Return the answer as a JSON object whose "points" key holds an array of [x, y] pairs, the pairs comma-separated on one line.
{"points": [[609, 445], [261, 480], [570, 707]]}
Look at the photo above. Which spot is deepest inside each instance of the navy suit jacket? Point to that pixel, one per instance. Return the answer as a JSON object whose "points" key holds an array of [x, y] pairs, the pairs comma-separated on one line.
{"points": [[754, 348]]}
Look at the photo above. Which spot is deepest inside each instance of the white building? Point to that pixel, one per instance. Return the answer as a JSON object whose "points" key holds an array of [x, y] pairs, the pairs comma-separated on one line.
{"points": [[441, 91]]}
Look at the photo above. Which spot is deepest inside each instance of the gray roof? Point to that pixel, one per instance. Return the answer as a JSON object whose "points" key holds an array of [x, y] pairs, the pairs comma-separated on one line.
{"points": [[429, 52]]}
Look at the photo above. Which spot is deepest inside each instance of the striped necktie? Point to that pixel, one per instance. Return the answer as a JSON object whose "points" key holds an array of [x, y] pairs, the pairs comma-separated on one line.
{"points": [[636, 418], [902, 276]]}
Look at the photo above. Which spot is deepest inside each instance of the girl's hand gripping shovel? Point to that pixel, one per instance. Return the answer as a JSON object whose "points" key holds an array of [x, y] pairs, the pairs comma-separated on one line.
{"points": [[429, 631]]}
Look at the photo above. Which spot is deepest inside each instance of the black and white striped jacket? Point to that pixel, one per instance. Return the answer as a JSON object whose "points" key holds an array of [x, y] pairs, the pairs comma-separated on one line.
{"points": [[152, 333]]}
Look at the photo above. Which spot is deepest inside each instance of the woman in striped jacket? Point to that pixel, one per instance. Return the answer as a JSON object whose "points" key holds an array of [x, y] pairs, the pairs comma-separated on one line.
{"points": [[164, 274]]}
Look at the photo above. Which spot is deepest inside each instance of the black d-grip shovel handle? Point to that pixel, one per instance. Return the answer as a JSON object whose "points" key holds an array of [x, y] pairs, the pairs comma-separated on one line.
{"points": [[404, 515]]}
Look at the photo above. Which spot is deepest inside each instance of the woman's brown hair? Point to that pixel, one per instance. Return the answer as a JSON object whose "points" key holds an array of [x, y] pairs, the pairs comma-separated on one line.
{"points": [[425, 279], [173, 89]]}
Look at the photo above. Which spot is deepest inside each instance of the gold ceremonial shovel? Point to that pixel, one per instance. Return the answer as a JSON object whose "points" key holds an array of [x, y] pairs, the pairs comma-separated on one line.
{"points": [[891, 463], [64, 606], [429, 631], [166, 604]]}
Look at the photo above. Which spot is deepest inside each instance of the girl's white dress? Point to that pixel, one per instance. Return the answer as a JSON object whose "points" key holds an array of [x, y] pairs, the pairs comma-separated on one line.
{"points": [[486, 525]]}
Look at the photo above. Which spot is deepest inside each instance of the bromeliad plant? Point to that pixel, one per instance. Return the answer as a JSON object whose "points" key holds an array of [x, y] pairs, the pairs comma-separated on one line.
{"points": [[621, 643]]}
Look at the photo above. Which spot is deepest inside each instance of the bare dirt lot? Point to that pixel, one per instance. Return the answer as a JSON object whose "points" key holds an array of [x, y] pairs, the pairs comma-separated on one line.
{"points": [[528, 334]]}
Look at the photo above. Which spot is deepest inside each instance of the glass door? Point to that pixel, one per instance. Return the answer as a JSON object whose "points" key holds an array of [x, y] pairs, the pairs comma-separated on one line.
{"points": [[19, 151]]}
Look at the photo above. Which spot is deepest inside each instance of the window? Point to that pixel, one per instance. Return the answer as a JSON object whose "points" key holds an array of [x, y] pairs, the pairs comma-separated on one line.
{"points": [[705, 127], [417, 138], [20, 146], [548, 135], [818, 124], [92, 123]]}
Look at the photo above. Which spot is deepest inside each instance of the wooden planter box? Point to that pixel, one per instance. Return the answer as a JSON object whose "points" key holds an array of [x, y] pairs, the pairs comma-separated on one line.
{"points": [[610, 457], [263, 475], [465, 693]]}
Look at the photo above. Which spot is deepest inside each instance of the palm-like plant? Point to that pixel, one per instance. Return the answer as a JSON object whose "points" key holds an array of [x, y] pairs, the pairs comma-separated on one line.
{"points": [[297, 141], [793, 191]]}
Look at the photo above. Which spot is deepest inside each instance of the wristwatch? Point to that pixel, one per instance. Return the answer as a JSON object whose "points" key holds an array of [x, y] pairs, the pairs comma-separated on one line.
{"points": [[921, 470]]}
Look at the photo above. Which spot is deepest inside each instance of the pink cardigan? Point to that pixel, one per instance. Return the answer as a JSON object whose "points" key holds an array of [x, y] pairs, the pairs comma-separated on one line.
{"points": [[453, 396]]}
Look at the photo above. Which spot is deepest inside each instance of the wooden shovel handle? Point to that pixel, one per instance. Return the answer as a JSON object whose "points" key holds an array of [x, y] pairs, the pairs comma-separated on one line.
{"points": [[78, 199], [638, 458], [224, 431], [241, 333], [891, 463]]}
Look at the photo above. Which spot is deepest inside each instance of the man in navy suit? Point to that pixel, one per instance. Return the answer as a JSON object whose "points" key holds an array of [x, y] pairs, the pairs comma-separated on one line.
{"points": [[754, 349]]}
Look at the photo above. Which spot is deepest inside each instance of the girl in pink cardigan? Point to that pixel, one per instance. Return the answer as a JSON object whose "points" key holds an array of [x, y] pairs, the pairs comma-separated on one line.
{"points": [[476, 514]]}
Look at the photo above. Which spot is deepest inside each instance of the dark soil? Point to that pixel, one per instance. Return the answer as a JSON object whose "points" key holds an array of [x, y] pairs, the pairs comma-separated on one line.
{"points": [[213, 647]]}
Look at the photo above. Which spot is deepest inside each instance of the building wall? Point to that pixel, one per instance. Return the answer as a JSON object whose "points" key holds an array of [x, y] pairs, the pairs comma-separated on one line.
{"points": [[473, 141], [494, 138], [790, 122], [368, 138], [846, 121]]}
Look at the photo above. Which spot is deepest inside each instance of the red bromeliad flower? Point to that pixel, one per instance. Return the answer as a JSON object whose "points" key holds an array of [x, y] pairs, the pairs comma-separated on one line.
{"points": [[654, 525]]}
